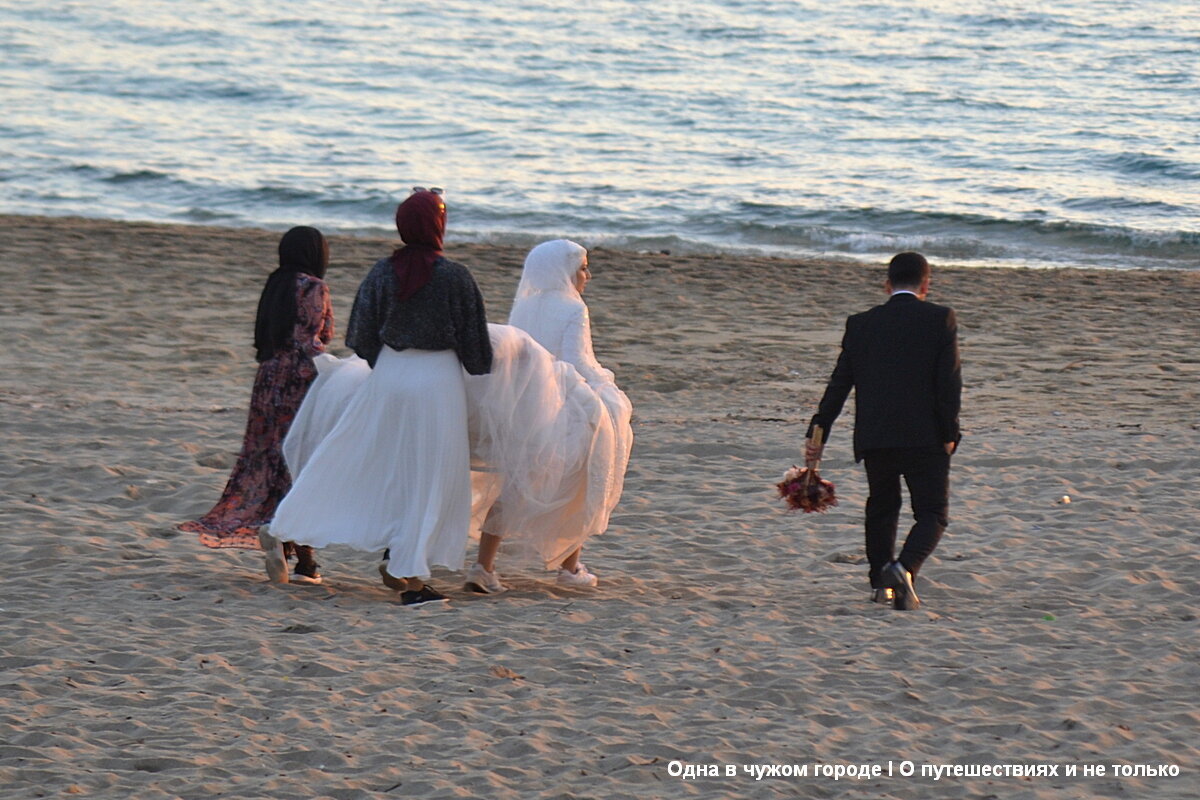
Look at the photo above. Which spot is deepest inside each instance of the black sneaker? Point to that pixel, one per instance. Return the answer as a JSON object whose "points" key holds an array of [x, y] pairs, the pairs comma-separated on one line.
{"points": [[308, 574], [426, 594]]}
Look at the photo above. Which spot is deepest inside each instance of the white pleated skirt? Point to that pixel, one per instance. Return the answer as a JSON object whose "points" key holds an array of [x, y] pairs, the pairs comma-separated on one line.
{"points": [[394, 472]]}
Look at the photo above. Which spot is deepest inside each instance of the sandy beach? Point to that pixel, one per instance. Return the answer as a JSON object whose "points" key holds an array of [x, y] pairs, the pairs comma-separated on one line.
{"points": [[725, 632]]}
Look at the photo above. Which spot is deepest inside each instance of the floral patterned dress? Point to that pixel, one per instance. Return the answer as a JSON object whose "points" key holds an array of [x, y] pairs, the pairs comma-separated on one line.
{"points": [[260, 478]]}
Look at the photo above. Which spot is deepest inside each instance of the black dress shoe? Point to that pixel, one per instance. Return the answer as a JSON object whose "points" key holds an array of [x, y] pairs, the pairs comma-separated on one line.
{"points": [[896, 577], [882, 595]]}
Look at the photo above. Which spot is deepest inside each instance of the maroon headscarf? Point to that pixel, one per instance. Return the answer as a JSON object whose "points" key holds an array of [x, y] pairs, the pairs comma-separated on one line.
{"points": [[421, 222]]}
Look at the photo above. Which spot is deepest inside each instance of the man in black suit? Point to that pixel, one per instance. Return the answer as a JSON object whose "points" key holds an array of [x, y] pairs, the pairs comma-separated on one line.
{"points": [[901, 359]]}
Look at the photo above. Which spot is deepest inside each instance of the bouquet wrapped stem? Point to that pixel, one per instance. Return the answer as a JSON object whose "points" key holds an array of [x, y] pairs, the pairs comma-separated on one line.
{"points": [[803, 488]]}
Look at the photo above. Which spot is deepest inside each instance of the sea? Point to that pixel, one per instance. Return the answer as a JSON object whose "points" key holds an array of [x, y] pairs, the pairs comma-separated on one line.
{"points": [[1009, 133]]}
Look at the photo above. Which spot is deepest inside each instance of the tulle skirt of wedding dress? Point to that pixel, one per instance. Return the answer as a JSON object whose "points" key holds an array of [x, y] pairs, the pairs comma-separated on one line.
{"points": [[553, 457], [380, 459]]}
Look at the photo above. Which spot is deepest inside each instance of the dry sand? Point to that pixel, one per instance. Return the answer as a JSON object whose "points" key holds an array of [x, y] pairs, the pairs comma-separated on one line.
{"points": [[136, 663]]}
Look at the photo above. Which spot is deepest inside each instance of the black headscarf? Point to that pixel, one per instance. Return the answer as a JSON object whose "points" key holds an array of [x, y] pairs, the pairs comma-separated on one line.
{"points": [[301, 250]]}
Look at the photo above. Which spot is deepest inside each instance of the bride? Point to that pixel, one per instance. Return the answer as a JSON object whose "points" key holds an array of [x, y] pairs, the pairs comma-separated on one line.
{"points": [[549, 306]]}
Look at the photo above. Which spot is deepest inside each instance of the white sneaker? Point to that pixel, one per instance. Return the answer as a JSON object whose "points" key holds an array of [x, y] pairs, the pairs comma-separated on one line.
{"points": [[580, 577], [481, 581], [273, 556]]}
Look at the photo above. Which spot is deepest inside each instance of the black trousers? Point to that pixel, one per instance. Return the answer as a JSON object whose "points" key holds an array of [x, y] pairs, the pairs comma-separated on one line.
{"points": [[927, 474]]}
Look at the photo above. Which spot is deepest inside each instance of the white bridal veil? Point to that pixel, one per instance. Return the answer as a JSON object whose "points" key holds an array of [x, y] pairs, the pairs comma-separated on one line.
{"points": [[549, 308]]}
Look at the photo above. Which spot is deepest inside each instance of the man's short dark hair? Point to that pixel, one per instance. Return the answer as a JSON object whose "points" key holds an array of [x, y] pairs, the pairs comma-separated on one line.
{"points": [[908, 270]]}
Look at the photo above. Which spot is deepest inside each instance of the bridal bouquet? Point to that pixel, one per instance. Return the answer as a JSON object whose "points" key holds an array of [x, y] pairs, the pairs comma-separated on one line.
{"points": [[805, 490]]}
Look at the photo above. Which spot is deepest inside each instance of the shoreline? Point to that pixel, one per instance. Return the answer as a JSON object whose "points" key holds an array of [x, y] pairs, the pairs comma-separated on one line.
{"points": [[683, 247], [724, 630]]}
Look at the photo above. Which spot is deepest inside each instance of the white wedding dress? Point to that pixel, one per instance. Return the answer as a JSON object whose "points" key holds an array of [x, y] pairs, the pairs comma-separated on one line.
{"points": [[544, 450]]}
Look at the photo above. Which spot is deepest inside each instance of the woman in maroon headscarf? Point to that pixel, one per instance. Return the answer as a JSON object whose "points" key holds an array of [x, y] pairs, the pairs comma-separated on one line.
{"points": [[293, 324], [393, 474]]}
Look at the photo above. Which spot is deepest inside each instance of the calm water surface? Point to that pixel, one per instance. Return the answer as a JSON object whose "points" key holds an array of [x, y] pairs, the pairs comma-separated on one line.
{"points": [[981, 133]]}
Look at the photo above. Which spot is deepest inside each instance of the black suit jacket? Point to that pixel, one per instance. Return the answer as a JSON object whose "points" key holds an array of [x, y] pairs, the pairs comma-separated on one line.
{"points": [[901, 359]]}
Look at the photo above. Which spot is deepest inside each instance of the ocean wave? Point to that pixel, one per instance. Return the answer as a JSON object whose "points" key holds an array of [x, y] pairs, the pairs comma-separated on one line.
{"points": [[177, 89], [870, 234], [1111, 204], [647, 218], [967, 238], [1147, 164], [137, 176]]}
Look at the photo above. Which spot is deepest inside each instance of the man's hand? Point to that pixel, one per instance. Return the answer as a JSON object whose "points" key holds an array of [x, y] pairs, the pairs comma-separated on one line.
{"points": [[812, 453], [950, 448]]}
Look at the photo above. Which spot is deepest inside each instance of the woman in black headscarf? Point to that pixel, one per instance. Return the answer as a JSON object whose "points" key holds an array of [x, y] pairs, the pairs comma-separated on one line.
{"points": [[294, 323]]}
